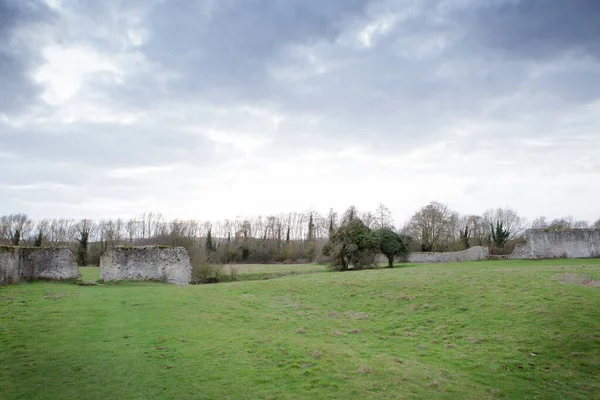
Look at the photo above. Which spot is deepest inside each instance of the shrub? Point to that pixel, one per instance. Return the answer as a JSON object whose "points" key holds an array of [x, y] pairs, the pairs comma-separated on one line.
{"points": [[206, 272], [205, 268], [354, 244]]}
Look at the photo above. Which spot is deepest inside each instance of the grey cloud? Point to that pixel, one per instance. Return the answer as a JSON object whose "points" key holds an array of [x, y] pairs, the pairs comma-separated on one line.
{"points": [[222, 52], [108, 145], [536, 28], [17, 89], [225, 53], [506, 70]]}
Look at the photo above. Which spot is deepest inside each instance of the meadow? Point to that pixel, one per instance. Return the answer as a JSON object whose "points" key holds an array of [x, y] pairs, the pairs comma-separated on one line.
{"points": [[478, 330]]}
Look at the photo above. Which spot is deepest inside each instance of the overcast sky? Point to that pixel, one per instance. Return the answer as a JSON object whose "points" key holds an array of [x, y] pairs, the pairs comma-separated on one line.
{"points": [[211, 109]]}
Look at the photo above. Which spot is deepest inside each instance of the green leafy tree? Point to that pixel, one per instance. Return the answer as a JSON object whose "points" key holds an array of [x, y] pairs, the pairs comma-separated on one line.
{"points": [[210, 246], [499, 234], [354, 244], [16, 237], [331, 217], [38, 239], [465, 236], [311, 229], [392, 245], [85, 229]]}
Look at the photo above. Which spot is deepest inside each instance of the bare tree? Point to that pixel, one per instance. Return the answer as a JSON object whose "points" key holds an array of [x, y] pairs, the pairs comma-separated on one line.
{"points": [[15, 228], [350, 215], [580, 225], [132, 229], [369, 219], [539, 223], [433, 226], [111, 232], [567, 222], [507, 218], [62, 231], [384, 217]]}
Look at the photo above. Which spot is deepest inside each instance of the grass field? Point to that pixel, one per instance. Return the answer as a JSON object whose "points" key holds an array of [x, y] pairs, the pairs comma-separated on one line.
{"points": [[501, 329], [242, 272]]}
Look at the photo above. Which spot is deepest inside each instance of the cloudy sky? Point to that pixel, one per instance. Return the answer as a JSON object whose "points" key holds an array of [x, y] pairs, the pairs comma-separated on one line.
{"points": [[217, 108]]}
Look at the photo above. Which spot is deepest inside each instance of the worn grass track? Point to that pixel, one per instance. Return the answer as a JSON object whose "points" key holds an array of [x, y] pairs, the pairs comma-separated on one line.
{"points": [[473, 330]]}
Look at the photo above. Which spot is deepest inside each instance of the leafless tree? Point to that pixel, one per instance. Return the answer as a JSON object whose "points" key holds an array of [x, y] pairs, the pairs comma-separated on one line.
{"points": [[433, 226], [539, 223], [567, 222], [369, 219], [580, 225], [132, 229], [472, 231], [508, 218], [384, 217], [15, 228], [350, 214]]}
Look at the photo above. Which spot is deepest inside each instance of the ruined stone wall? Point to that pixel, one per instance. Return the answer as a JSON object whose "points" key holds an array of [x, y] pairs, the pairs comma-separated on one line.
{"points": [[10, 271], [48, 263], [563, 243], [153, 263], [471, 254], [31, 263]]}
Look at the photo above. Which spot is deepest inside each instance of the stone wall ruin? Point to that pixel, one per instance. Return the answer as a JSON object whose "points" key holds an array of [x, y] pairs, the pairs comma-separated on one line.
{"points": [[472, 254], [19, 264], [146, 263], [559, 243]]}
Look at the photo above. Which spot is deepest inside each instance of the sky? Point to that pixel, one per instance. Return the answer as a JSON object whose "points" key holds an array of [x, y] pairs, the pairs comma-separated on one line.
{"points": [[213, 109]]}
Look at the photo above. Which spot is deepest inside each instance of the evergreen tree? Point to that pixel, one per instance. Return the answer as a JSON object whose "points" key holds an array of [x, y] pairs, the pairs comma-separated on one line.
{"points": [[499, 234], [85, 228], [82, 256], [16, 238], [210, 247], [331, 217], [38, 240], [311, 229], [392, 245], [353, 243], [465, 235]]}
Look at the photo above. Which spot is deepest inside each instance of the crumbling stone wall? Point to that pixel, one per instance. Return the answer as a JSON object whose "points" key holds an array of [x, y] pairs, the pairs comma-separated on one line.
{"points": [[146, 263], [471, 254], [10, 271], [31, 263], [561, 243]]}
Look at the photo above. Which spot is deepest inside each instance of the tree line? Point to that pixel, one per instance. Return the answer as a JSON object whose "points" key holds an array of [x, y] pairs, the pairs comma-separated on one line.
{"points": [[286, 237]]}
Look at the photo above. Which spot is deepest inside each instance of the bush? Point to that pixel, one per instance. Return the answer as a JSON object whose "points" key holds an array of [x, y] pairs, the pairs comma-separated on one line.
{"points": [[354, 244], [205, 267], [206, 272]]}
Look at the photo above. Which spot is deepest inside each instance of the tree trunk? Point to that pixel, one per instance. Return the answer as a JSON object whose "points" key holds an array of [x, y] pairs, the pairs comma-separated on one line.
{"points": [[390, 261], [344, 263]]}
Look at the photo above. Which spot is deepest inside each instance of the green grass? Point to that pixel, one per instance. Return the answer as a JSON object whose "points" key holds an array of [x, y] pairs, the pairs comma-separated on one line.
{"points": [[89, 273], [252, 272], [494, 329], [242, 272]]}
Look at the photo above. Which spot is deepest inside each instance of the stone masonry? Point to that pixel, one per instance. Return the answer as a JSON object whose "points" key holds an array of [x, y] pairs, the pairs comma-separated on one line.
{"points": [[32, 263], [147, 263]]}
